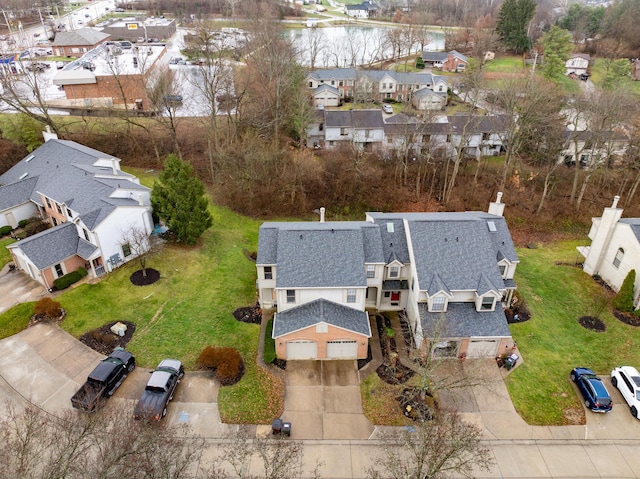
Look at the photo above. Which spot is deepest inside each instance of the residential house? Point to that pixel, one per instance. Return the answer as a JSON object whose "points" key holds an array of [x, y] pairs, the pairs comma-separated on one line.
{"points": [[361, 10], [110, 75], [589, 148], [76, 43], [451, 273], [577, 64], [89, 201], [373, 85], [452, 61], [426, 99], [361, 129], [615, 248], [479, 135], [326, 95], [406, 135]]}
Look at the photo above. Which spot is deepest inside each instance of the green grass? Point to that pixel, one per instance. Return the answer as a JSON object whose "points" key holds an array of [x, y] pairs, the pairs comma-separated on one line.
{"points": [[504, 64], [5, 256], [598, 73], [15, 319], [553, 341], [269, 352]]}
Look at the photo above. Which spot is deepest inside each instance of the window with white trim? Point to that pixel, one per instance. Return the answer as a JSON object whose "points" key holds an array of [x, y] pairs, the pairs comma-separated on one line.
{"points": [[351, 295], [268, 272], [126, 250], [371, 271], [394, 272], [438, 303], [487, 303], [291, 296], [618, 259]]}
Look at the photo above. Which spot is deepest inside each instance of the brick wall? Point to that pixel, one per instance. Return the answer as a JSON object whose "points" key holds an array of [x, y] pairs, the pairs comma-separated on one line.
{"points": [[321, 339]]}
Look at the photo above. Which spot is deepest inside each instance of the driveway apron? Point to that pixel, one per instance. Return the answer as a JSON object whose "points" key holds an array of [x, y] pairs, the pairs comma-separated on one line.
{"points": [[17, 287], [322, 401]]}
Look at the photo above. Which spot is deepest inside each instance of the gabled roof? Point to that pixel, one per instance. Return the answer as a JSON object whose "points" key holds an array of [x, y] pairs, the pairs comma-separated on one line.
{"points": [[321, 310], [460, 248], [368, 6], [80, 37], [634, 223], [334, 74], [394, 238], [315, 254], [326, 87], [69, 173], [54, 245], [434, 56], [463, 321], [16, 193], [354, 118], [467, 124], [425, 92]]}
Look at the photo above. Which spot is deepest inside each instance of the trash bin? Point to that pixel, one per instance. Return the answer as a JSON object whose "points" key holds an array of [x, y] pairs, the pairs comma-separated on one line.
{"points": [[276, 426], [286, 429], [511, 361]]}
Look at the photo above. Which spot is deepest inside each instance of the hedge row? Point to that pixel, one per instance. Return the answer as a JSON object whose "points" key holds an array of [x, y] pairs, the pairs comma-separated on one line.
{"points": [[63, 282]]}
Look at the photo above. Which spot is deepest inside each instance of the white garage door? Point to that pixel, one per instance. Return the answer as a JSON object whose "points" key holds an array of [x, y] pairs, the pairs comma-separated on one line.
{"points": [[482, 348], [343, 349], [302, 350]]}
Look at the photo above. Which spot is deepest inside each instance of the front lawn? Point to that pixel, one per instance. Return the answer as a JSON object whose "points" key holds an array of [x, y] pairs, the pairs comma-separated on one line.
{"points": [[553, 342], [189, 308]]}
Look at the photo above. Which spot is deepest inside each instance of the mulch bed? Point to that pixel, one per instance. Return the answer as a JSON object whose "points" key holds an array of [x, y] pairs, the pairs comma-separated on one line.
{"points": [[417, 405], [249, 314], [520, 309], [627, 318], [592, 324], [391, 371], [104, 341], [139, 279]]}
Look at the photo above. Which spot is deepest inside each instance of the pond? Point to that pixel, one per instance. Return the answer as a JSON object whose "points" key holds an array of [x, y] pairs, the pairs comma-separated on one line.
{"points": [[357, 45]]}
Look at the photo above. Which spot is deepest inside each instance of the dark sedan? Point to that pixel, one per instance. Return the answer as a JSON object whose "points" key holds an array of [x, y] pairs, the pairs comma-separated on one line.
{"points": [[595, 394]]}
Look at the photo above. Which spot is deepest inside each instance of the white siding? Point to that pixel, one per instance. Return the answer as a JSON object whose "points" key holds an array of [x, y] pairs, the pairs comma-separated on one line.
{"points": [[337, 295], [21, 212]]}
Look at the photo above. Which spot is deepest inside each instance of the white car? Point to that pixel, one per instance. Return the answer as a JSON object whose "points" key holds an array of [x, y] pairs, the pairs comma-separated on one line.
{"points": [[627, 380], [387, 108]]}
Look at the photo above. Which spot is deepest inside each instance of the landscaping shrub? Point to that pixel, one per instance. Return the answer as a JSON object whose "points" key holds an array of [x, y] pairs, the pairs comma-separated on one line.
{"points": [[5, 230], [23, 223], [624, 299], [67, 280], [48, 307], [35, 225], [419, 63], [225, 362], [83, 272]]}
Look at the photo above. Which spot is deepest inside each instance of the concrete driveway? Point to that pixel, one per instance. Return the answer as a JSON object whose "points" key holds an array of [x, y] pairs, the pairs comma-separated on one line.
{"points": [[17, 287], [322, 401]]}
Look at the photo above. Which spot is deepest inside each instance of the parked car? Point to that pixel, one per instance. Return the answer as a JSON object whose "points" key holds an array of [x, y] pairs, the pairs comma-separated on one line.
{"points": [[103, 381], [627, 380], [159, 390], [584, 76], [387, 108], [120, 10], [88, 66], [595, 394]]}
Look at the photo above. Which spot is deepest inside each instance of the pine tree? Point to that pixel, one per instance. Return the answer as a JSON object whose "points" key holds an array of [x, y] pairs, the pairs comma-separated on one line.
{"points": [[178, 198], [624, 299], [513, 20], [558, 44]]}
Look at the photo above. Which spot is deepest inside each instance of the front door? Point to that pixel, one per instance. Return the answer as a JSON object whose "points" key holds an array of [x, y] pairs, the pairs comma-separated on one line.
{"points": [[11, 219]]}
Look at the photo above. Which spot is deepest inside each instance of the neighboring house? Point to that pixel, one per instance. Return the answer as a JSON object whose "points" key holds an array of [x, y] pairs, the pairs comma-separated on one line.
{"points": [[326, 95], [76, 43], [452, 273], [479, 135], [362, 129], [88, 200], [591, 148], [614, 249], [361, 10], [577, 64], [426, 99], [374, 85], [110, 75], [452, 61]]}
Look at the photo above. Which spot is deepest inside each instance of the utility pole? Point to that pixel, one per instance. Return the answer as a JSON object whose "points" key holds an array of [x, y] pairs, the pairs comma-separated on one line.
{"points": [[44, 27], [6, 20]]}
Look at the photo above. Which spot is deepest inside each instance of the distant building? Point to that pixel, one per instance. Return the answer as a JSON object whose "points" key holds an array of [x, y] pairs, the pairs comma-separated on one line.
{"points": [[361, 10], [135, 28], [577, 64], [77, 42]]}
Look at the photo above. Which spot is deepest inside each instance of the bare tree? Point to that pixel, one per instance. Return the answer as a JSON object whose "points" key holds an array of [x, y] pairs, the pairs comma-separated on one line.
{"points": [[440, 447], [141, 245]]}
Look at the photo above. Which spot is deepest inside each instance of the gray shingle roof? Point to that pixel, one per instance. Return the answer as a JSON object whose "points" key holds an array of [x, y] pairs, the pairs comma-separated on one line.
{"points": [[477, 123], [326, 87], [83, 36], [314, 254], [394, 239], [354, 118], [63, 171], [318, 311], [463, 321], [54, 245], [16, 193], [634, 223], [334, 74]]}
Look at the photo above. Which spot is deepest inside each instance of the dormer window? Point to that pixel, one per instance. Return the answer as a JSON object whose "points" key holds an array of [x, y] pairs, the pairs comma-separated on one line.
{"points": [[394, 272], [438, 303], [503, 270], [488, 303], [268, 272], [291, 296], [371, 271]]}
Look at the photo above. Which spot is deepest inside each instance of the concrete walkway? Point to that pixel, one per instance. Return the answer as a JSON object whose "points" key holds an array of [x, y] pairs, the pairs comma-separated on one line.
{"points": [[17, 287], [45, 365]]}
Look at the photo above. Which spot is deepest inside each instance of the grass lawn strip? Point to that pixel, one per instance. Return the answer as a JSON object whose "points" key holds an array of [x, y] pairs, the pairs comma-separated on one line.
{"points": [[5, 256]]}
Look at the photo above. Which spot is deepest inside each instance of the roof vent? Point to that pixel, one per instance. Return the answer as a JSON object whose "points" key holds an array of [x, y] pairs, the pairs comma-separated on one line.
{"points": [[29, 158], [389, 227], [492, 226], [23, 175], [300, 236]]}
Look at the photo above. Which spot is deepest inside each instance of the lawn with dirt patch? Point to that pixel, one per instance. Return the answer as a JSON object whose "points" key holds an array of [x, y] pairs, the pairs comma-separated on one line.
{"points": [[5, 256]]}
